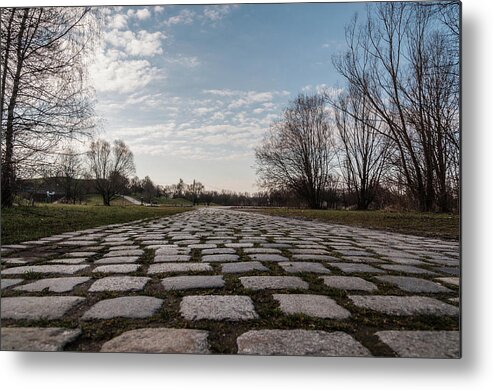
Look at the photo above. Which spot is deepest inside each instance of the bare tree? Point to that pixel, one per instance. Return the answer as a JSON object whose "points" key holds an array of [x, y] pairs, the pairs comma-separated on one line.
{"points": [[44, 98], [398, 62], [70, 175], [298, 151], [195, 191], [365, 150], [110, 167]]}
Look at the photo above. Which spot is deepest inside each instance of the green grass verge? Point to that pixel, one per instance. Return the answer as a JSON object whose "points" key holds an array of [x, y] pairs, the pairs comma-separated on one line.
{"points": [[446, 226], [30, 223]]}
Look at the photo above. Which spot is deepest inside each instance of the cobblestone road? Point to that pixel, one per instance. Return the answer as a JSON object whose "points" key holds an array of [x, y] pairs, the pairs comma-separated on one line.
{"points": [[223, 281]]}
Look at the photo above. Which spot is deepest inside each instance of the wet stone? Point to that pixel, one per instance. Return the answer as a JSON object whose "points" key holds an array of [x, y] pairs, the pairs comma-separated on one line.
{"points": [[299, 342], [45, 269], [405, 306], [239, 245], [244, 266], [217, 307], [356, 268], [128, 307], [178, 267], [410, 284], [296, 267], [37, 308], [117, 260], [268, 257], [37, 339], [10, 282], [192, 282], [273, 282], [57, 285], [220, 258], [311, 305], [159, 340], [81, 254], [349, 283], [119, 283], [116, 268], [423, 344]]}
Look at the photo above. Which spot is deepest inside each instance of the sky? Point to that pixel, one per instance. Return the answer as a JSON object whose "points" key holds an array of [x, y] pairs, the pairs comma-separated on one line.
{"points": [[193, 89]]}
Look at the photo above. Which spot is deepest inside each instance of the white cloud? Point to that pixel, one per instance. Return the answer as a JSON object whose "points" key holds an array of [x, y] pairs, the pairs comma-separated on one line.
{"points": [[142, 43], [187, 62], [158, 9], [203, 110], [184, 17], [117, 22], [110, 72], [143, 14], [217, 12]]}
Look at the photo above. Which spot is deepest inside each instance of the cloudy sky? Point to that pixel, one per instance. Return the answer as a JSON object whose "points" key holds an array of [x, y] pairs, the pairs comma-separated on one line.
{"points": [[192, 89]]}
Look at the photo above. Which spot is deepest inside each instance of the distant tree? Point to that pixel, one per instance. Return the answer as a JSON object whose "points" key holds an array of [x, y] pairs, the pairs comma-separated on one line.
{"points": [[149, 189], [44, 98], [298, 152], [194, 191], [70, 174], [180, 189], [110, 167]]}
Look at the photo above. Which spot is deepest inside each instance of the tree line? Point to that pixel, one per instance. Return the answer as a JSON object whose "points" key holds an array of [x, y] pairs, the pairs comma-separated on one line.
{"points": [[393, 133]]}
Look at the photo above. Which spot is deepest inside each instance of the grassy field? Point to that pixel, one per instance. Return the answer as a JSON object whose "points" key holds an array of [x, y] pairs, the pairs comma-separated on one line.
{"points": [[445, 226], [30, 223], [175, 202]]}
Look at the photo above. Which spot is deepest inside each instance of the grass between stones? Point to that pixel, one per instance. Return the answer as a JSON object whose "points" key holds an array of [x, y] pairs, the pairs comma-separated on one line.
{"points": [[30, 223], [445, 226]]}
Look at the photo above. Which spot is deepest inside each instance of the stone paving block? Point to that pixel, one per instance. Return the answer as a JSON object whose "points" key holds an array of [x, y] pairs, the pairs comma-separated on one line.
{"points": [[117, 260], [218, 251], [349, 283], [217, 307], [356, 268], [273, 282], [58, 285], [37, 339], [202, 246], [314, 258], [116, 268], [268, 257], [80, 254], [299, 251], [239, 245], [261, 251], [172, 258], [192, 282], [360, 259], [244, 266], [296, 267], [178, 267], [448, 270], [220, 258], [5, 283], [119, 283], [311, 305], [406, 268], [299, 342], [120, 253], [411, 284], [45, 269], [68, 261], [277, 245], [451, 280], [159, 340], [405, 306], [422, 344], [37, 308], [128, 307]]}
